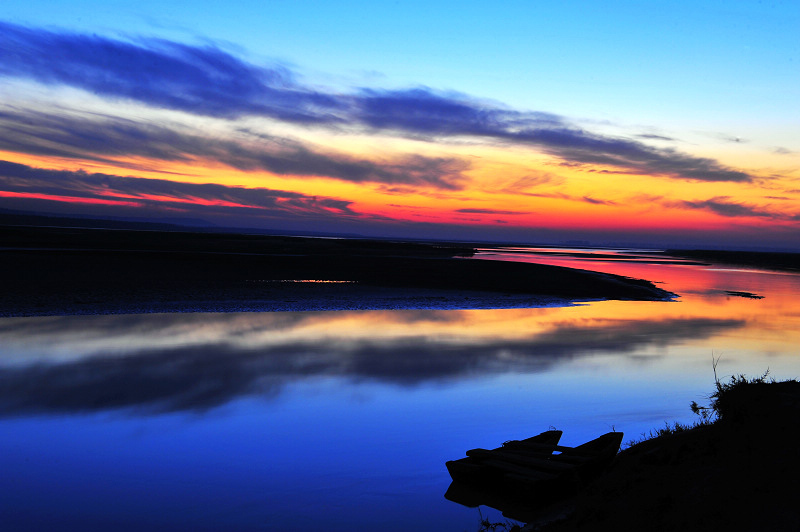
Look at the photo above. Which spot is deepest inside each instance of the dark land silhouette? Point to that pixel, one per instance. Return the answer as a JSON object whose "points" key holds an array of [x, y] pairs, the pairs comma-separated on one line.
{"points": [[736, 473], [57, 270]]}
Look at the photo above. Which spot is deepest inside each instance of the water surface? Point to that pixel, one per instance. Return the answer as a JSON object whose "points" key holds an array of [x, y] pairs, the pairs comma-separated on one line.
{"points": [[343, 420]]}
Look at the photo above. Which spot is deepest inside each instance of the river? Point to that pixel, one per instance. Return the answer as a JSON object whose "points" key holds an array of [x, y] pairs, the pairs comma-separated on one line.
{"points": [[343, 420]]}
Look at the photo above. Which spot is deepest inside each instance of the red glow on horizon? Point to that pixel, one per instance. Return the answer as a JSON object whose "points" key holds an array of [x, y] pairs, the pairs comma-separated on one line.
{"points": [[194, 200], [67, 199]]}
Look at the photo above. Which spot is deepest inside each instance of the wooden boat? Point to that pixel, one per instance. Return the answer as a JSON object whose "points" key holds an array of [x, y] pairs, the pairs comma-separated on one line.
{"points": [[476, 469], [525, 478], [533, 461]]}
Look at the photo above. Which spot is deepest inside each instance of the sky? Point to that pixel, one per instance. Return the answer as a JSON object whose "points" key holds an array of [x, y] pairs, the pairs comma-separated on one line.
{"points": [[612, 123]]}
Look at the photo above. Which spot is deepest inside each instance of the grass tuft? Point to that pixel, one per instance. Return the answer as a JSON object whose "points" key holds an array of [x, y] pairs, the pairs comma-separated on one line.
{"points": [[729, 399], [666, 430], [501, 526]]}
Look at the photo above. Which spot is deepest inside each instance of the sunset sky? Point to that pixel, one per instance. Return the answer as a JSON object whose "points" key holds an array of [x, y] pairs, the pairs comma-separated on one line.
{"points": [[669, 123]]}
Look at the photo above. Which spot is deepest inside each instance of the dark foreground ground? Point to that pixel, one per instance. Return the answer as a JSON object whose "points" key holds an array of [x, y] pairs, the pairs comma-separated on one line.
{"points": [[51, 271], [741, 473]]}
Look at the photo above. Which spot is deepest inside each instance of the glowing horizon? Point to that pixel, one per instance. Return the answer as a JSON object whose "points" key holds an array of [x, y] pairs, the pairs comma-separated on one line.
{"points": [[168, 128]]}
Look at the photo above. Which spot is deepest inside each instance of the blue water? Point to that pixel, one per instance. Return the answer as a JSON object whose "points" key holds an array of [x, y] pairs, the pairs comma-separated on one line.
{"points": [[343, 420]]}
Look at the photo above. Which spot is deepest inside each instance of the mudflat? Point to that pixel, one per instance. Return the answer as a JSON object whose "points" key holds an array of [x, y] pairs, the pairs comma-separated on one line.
{"points": [[56, 271]]}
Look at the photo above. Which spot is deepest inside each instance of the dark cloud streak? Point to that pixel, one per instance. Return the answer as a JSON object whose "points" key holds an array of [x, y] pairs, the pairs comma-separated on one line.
{"points": [[205, 80], [488, 211], [105, 138], [722, 207], [22, 179], [202, 80], [595, 201]]}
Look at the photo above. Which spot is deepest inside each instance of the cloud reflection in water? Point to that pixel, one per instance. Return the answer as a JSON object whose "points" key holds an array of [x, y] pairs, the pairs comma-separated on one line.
{"points": [[190, 362]]}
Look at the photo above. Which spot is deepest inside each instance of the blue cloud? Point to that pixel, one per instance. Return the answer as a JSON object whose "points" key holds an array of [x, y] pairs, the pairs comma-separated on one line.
{"points": [[424, 111], [208, 81], [203, 80], [578, 146]]}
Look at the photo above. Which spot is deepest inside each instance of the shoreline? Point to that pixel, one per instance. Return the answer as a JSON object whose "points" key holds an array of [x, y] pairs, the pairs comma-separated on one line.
{"points": [[297, 300], [735, 472], [57, 271]]}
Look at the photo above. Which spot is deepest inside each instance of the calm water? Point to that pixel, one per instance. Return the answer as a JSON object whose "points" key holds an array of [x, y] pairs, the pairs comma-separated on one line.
{"points": [[343, 420]]}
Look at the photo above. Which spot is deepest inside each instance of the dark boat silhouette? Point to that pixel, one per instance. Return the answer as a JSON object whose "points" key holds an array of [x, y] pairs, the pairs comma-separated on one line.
{"points": [[523, 476]]}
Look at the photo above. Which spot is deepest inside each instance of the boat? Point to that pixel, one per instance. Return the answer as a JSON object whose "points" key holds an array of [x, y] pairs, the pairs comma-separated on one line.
{"points": [[478, 469], [536, 461], [529, 479]]}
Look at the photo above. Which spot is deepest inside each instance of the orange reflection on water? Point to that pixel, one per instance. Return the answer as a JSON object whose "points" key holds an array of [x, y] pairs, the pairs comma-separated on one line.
{"points": [[770, 322], [704, 318], [420, 345]]}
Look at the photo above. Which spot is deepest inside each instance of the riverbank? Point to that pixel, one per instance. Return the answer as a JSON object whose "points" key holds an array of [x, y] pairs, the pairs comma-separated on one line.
{"points": [[738, 473], [56, 271]]}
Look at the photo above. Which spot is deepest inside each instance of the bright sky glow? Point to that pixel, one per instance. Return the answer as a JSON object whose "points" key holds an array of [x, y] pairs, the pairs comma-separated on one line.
{"points": [[612, 122]]}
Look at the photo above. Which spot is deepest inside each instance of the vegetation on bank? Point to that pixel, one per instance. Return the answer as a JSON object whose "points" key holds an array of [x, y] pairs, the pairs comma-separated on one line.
{"points": [[734, 469], [727, 399]]}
